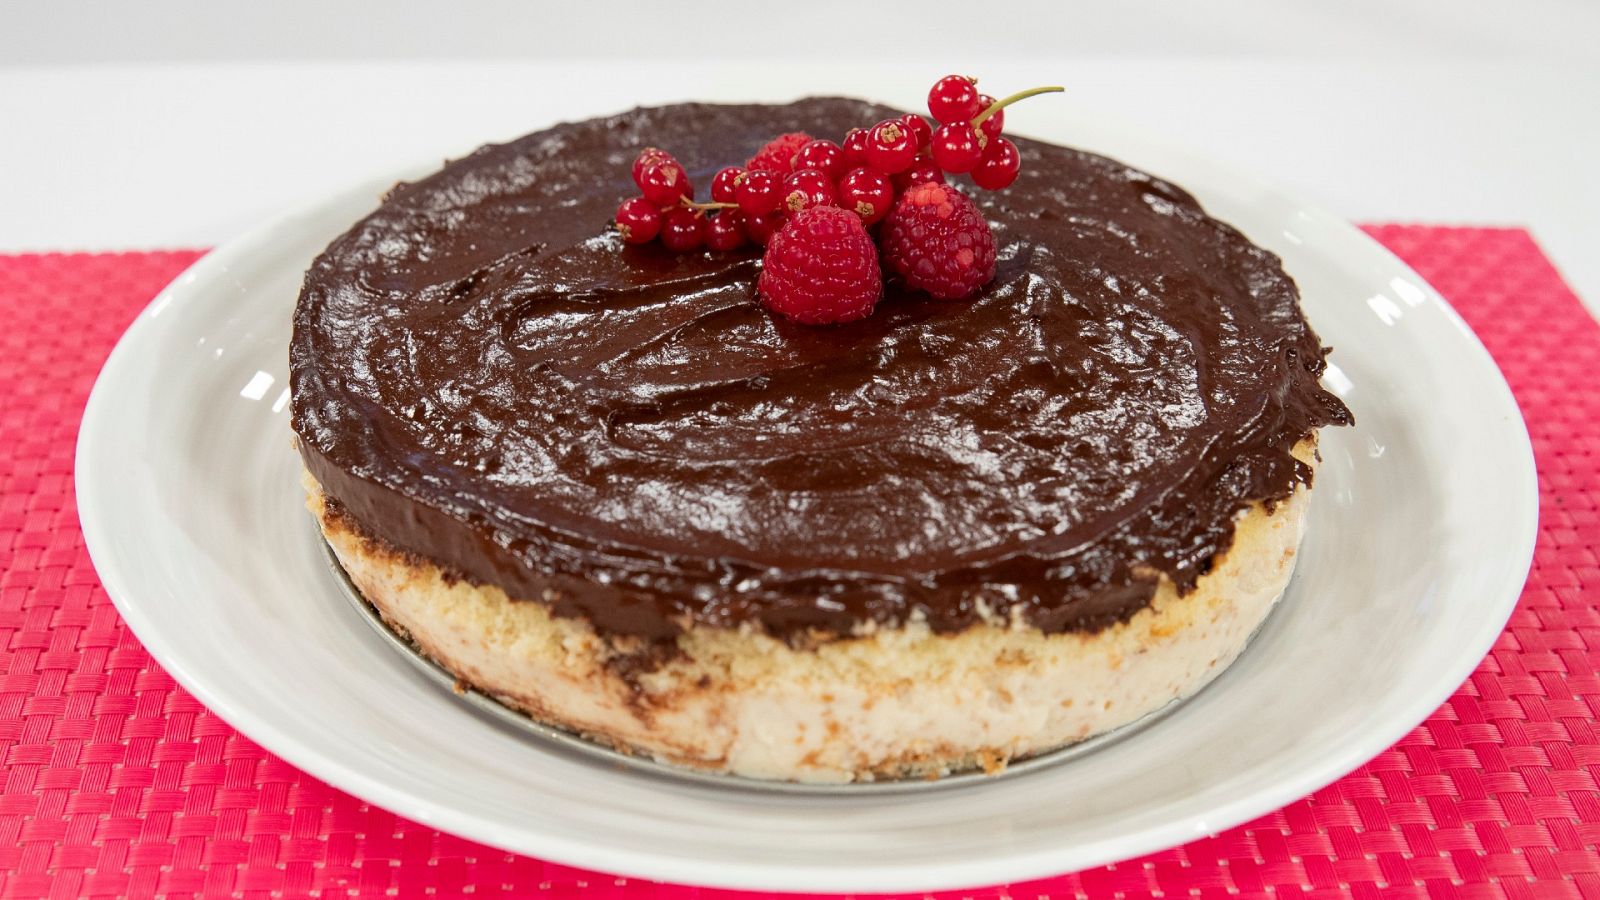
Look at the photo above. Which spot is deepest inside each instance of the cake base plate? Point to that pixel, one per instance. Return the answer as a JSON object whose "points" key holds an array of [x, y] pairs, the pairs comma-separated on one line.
{"points": [[1416, 549]]}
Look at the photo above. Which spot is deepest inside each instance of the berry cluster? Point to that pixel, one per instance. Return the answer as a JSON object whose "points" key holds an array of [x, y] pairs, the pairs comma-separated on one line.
{"points": [[810, 202], [665, 209]]}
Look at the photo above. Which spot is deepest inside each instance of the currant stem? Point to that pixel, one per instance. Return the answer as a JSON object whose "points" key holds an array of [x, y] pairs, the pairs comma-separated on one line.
{"points": [[690, 204], [1004, 102]]}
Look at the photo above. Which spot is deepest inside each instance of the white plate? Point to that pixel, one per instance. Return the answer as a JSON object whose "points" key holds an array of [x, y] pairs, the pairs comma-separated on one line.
{"points": [[1421, 536]]}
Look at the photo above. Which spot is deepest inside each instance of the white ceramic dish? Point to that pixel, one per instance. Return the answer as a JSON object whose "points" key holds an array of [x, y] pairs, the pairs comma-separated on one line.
{"points": [[1420, 540]]}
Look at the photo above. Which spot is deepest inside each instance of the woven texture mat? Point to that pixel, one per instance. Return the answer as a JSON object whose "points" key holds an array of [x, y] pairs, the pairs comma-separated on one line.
{"points": [[115, 782]]}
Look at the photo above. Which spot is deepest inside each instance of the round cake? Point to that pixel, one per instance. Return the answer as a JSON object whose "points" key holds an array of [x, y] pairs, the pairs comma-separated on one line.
{"points": [[601, 483]]}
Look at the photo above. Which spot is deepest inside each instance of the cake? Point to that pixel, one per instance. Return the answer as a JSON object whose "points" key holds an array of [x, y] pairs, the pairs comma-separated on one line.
{"points": [[601, 483]]}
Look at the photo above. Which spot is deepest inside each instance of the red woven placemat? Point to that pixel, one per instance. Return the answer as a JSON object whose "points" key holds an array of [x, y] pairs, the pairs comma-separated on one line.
{"points": [[118, 783]]}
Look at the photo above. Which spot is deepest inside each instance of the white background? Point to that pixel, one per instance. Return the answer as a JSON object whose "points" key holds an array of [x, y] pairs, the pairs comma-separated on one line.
{"points": [[182, 123]]}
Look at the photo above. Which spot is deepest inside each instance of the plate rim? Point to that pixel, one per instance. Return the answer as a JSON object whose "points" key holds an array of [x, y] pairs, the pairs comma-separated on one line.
{"points": [[957, 873]]}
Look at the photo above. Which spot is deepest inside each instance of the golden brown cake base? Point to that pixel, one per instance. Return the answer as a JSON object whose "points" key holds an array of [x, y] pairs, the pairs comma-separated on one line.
{"points": [[889, 703]]}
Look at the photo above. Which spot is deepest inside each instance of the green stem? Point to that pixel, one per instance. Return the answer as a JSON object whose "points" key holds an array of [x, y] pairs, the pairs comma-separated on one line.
{"points": [[1004, 102], [690, 204]]}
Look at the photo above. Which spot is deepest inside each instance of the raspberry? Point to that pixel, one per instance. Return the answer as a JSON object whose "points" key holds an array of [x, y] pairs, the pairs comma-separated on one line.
{"points": [[937, 240], [778, 154], [821, 268]]}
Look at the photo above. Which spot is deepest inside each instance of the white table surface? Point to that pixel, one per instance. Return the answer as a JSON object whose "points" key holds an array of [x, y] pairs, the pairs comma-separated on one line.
{"points": [[1390, 113]]}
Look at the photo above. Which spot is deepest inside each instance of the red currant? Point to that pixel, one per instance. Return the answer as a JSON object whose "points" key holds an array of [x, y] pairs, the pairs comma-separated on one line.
{"points": [[855, 147], [649, 156], [664, 182], [868, 193], [956, 147], [723, 182], [919, 128], [824, 156], [996, 123], [638, 220], [725, 230], [922, 171], [683, 229], [759, 191], [999, 165], [805, 189], [953, 98], [890, 147], [761, 228]]}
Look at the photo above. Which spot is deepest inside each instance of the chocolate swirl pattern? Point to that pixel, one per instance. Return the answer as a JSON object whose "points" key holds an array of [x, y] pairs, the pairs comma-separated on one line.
{"points": [[483, 376]]}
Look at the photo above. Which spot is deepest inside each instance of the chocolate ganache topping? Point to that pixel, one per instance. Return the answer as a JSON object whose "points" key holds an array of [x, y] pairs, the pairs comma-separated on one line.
{"points": [[486, 377]]}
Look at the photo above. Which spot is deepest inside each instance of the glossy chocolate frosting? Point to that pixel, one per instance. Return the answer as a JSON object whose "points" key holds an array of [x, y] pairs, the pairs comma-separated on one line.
{"points": [[486, 377]]}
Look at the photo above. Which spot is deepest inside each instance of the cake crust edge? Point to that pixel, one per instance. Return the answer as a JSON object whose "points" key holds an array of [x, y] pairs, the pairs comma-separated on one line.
{"points": [[893, 702]]}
